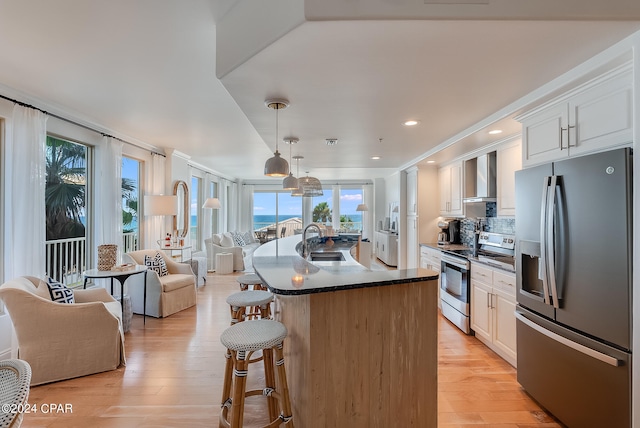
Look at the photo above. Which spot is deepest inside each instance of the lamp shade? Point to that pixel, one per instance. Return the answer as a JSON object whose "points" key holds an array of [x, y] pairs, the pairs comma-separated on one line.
{"points": [[276, 166], [160, 205], [362, 207], [290, 182], [212, 203]]}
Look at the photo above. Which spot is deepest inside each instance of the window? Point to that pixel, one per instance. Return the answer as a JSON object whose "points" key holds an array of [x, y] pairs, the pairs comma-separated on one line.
{"points": [[195, 203], [350, 219], [66, 210], [323, 208], [130, 204], [276, 214]]}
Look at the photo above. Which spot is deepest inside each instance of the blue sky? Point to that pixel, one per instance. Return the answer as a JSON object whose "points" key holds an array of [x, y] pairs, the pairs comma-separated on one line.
{"points": [[265, 203]]}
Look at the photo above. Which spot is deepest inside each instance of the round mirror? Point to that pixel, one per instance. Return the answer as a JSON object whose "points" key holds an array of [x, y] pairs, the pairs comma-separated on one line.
{"points": [[181, 220]]}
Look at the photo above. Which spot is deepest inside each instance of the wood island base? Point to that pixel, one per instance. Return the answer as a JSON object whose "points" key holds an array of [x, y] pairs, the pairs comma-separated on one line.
{"points": [[363, 357]]}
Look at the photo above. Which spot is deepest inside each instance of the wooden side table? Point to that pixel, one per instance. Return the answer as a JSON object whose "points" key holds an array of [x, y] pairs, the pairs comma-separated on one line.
{"points": [[224, 263]]}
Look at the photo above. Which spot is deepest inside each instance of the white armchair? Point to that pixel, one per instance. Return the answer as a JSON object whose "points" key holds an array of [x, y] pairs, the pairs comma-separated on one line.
{"points": [[166, 295], [224, 243], [64, 340]]}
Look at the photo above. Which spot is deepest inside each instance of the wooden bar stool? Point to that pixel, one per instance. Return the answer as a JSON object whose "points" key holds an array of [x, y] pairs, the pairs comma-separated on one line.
{"points": [[258, 300], [250, 279], [242, 340]]}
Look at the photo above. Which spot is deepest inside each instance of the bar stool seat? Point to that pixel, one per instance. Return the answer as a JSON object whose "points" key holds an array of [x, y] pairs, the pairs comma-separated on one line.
{"points": [[258, 300], [242, 339], [250, 279]]}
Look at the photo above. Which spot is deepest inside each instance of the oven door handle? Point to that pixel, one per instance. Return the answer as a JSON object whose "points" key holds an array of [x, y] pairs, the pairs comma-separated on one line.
{"points": [[454, 261]]}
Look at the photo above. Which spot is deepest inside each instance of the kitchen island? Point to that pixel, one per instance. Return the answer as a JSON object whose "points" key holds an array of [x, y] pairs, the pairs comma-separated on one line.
{"points": [[362, 344]]}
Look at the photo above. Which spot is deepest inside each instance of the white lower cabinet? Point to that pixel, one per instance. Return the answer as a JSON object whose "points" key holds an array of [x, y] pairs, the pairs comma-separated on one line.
{"points": [[386, 248], [493, 305], [430, 259]]}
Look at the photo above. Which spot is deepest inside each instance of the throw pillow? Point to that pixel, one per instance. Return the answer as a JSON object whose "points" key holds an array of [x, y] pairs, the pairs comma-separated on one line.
{"points": [[227, 240], [238, 239], [59, 292], [216, 239], [248, 238], [156, 264]]}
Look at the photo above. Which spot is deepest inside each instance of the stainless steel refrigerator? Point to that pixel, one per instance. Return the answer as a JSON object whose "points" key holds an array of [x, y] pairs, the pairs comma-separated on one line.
{"points": [[574, 276]]}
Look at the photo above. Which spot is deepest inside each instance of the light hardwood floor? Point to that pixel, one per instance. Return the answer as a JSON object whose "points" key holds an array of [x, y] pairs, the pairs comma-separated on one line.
{"points": [[173, 378]]}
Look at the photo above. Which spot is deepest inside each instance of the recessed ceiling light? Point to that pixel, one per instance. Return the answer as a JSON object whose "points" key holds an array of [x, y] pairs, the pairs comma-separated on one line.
{"points": [[411, 122], [495, 131], [375, 157], [431, 161]]}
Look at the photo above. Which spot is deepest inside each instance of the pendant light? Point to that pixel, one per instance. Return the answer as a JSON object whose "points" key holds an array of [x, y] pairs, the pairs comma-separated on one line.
{"points": [[276, 166], [311, 186], [290, 182], [298, 191]]}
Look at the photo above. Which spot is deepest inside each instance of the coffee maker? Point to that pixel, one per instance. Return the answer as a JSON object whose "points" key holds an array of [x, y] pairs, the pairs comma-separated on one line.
{"points": [[449, 231]]}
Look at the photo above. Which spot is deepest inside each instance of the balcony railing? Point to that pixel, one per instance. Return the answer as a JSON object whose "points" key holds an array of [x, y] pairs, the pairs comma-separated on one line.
{"points": [[66, 259]]}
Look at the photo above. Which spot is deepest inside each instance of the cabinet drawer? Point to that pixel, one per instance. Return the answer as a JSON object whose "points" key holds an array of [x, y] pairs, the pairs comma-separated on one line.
{"points": [[481, 273], [505, 282]]}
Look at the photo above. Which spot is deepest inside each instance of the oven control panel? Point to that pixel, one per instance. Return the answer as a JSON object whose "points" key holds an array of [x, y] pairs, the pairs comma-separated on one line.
{"points": [[497, 240]]}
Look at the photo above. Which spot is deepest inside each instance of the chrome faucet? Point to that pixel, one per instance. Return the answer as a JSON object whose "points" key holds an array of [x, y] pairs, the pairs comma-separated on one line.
{"points": [[305, 249]]}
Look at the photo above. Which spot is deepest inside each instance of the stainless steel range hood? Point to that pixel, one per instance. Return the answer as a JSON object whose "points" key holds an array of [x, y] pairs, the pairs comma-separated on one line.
{"points": [[480, 179]]}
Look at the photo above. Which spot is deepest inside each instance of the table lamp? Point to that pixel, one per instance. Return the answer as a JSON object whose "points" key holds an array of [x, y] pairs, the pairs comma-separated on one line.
{"points": [[160, 205]]}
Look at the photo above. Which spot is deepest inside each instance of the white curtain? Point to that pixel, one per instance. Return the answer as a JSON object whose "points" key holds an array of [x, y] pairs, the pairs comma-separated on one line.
{"points": [[223, 192], [25, 173], [108, 201], [246, 208], [234, 221], [367, 216], [154, 225], [335, 212]]}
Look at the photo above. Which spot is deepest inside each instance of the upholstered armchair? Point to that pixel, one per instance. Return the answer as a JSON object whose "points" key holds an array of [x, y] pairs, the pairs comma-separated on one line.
{"points": [[167, 294], [64, 340]]}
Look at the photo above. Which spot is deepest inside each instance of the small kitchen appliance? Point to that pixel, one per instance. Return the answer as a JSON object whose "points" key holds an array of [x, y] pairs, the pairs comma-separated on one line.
{"points": [[449, 231]]}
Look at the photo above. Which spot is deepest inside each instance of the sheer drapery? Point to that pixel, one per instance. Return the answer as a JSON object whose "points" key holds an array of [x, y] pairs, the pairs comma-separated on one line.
{"points": [[108, 200], [233, 222], [25, 176], [154, 225], [223, 192], [246, 207]]}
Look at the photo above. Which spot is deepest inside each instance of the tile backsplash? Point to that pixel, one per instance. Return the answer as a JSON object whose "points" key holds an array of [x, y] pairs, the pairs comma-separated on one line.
{"points": [[492, 223]]}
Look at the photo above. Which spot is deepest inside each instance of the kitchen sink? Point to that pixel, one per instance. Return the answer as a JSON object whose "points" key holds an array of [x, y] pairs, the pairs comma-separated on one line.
{"points": [[326, 256]]}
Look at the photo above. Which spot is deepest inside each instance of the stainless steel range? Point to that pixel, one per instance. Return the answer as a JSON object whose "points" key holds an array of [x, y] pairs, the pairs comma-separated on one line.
{"points": [[494, 249]]}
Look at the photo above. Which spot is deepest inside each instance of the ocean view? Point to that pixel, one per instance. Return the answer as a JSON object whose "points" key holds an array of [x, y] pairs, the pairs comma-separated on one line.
{"points": [[259, 221]]}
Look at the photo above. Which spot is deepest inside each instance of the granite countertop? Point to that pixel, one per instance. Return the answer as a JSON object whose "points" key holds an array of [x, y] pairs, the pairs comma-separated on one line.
{"points": [[508, 267], [284, 271]]}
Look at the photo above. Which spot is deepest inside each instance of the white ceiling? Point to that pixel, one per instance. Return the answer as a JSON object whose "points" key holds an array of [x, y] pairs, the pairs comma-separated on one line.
{"points": [[146, 70]]}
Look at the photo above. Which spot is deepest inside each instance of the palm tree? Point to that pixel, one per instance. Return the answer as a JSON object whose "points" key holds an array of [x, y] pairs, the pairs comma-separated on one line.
{"points": [[321, 212], [65, 189], [130, 204]]}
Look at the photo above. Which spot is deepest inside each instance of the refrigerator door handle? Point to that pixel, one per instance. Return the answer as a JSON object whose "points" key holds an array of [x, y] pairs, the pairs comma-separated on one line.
{"points": [[550, 242], [542, 271], [570, 343]]}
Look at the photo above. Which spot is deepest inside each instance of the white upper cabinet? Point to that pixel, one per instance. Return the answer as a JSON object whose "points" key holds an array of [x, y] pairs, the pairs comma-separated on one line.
{"points": [[450, 182], [509, 160], [593, 118]]}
